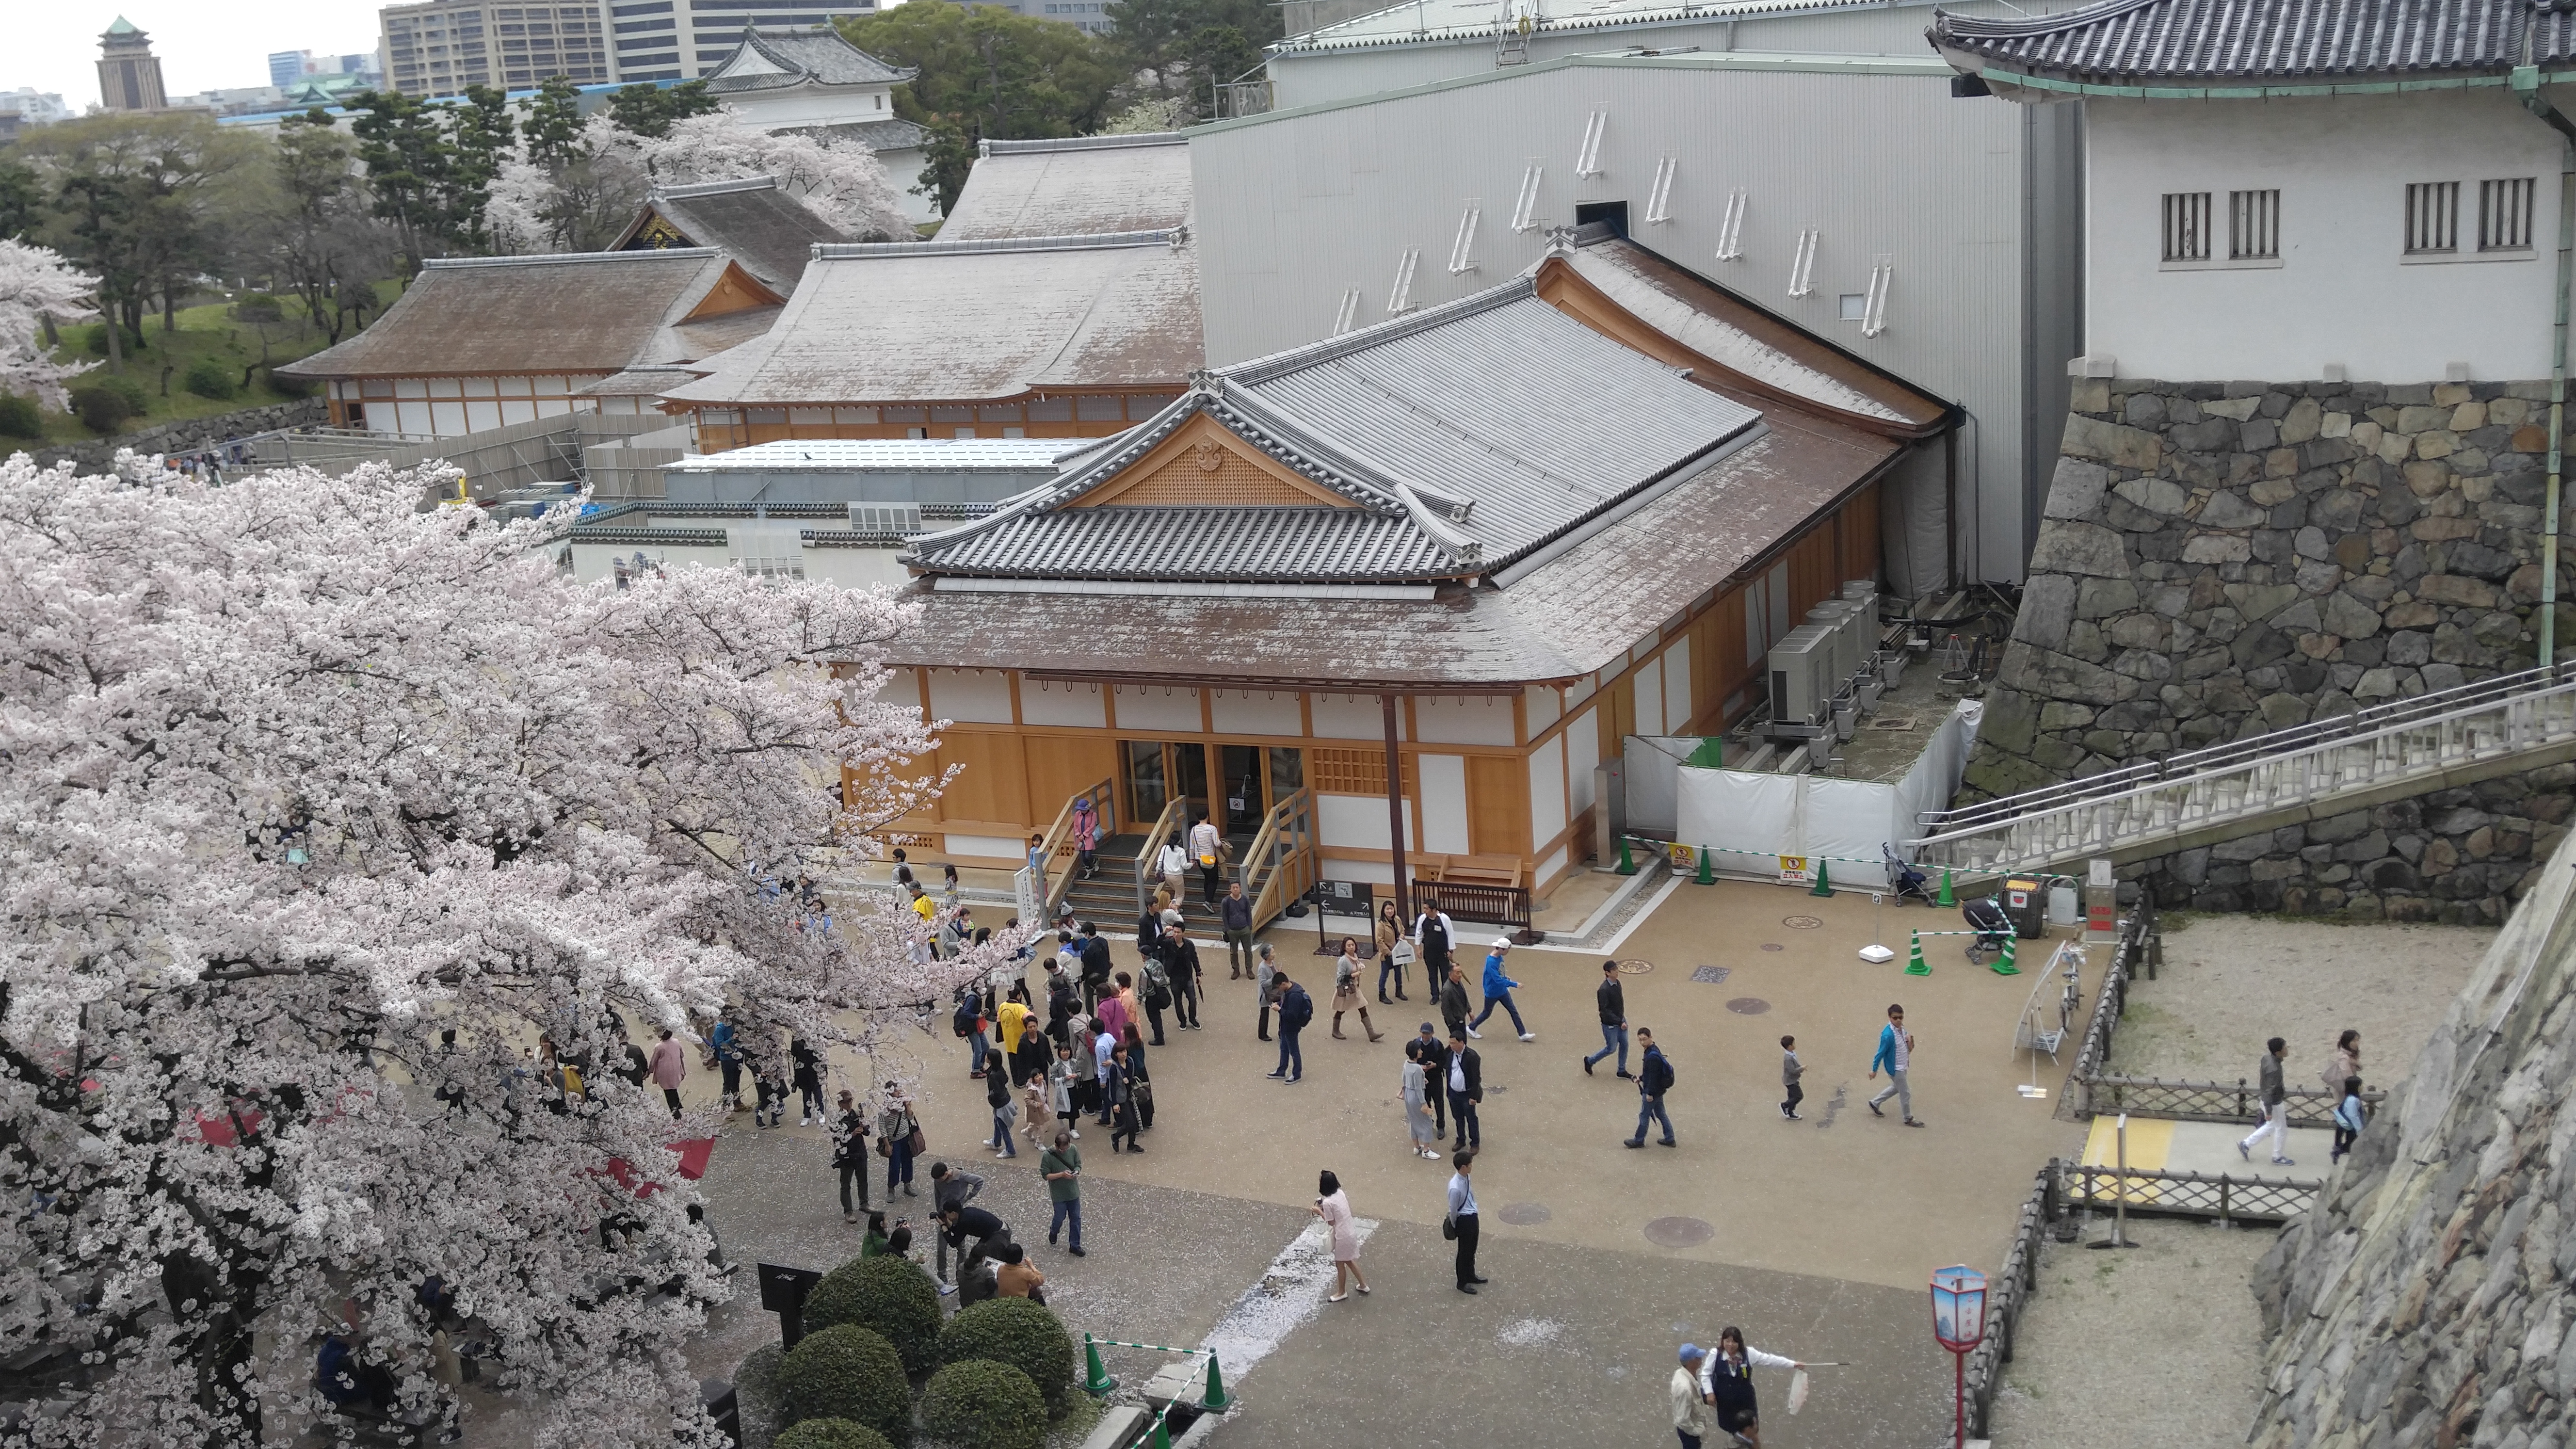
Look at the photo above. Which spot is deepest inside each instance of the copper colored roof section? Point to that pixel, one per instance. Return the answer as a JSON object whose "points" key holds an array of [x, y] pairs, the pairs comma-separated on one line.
{"points": [[961, 321], [770, 232], [582, 312], [1628, 292], [2128, 42], [1074, 186]]}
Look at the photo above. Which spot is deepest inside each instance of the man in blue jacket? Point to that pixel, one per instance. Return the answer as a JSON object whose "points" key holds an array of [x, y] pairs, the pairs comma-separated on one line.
{"points": [[1498, 991], [1654, 1078], [1296, 1009], [1895, 1054]]}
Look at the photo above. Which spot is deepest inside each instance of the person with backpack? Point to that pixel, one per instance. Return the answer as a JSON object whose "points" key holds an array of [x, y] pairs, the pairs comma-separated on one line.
{"points": [[1086, 838], [724, 1039], [997, 1095], [1095, 966], [1654, 1078], [2350, 1115], [897, 1130], [1154, 994], [1296, 1009], [967, 1021], [850, 1155]]}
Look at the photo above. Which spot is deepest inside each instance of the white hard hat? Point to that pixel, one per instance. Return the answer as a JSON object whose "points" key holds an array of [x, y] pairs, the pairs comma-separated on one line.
{"points": [[1502, 942]]}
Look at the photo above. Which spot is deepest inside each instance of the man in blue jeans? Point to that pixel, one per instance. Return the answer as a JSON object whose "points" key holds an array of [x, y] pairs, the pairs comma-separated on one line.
{"points": [[1498, 989], [1466, 1091], [1296, 1009], [1654, 1078], [728, 1059], [1612, 1003]]}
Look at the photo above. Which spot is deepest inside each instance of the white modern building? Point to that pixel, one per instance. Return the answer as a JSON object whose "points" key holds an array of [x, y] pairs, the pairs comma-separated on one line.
{"points": [[441, 47], [669, 40], [1931, 238], [2292, 209]]}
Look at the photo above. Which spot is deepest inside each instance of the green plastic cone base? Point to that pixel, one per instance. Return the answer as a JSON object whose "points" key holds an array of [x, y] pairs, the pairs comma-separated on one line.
{"points": [[1217, 1401], [1914, 960], [1097, 1381]]}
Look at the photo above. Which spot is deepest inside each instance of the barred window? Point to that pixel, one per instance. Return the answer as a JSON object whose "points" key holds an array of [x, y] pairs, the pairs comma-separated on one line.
{"points": [[2433, 216], [2186, 226], [2504, 214], [2253, 225]]}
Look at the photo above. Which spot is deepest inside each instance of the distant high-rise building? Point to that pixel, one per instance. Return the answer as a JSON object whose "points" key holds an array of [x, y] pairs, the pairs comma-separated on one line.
{"points": [[286, 67], [33, 107], [686, 39], [129, 74], [289, 68], [441, 47]]}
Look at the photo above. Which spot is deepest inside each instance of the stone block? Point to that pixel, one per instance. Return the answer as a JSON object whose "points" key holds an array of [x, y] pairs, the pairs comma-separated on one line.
{"points": [[2479, 561], [2454, 589], [2138, 631], [2318, 578], [2089, 395], [2395, 447], [2047, 607], [2509, 412], [2351, 552], [2208, 548], [2366, 847], [2108, 442], [2261, 601], [2335, 829], [2303, 617], [2411, 647], [2235, 409], [2057, 715], [2458, 820], [2425, 480], [2441, 675], [2366, 434], [2421, 419], [2101, 598], [2450, 394], [2081, 548], [2350, 617], [2281, 711], [2144, 410], [2310, 542], [2439, 443], [2271, 492], [2209, 435], [2497, 631], [2278, 870], [2376, 684], [2372, 589], [2226, 510], [2300, 421], [2156, 495], [2336, 509], [2122, 516], [2258, 435], [2075, 490]]}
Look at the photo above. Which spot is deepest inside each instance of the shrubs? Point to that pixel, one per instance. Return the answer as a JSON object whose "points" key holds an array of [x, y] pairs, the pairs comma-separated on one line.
{"points": [[1015, 1331], [258, 307], [208, 378], [830, 1434], [890, 1296], [980, 1404], [848, 1372], [101, 408], [19, 418]]}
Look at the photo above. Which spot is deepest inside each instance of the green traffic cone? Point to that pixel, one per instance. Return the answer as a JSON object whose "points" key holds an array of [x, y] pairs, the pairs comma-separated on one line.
{"points": [[1627, 866], [1824, 878], [1945, 900], [2004, 963], [1098, 1384], [1216, 1401], [1161, 1438], [1706, 876], [1913, 961]]}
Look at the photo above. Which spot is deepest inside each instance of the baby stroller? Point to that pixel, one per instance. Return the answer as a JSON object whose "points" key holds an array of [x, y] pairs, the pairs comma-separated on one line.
{"points": [[1903, 880], [1992, 926]]}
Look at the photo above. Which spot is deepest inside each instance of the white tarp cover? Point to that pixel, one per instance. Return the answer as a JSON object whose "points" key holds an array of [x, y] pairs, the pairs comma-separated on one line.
{"points": [[1652, 766], [1847, 820]]}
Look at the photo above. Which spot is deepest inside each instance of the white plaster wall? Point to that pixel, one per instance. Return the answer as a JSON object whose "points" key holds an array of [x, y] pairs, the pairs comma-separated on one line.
{"points": [[1003, 847], [855, 568], [811, 106], [1356, 822], [1477, 719], [979, 696], [1649, 684], [1158, 707], [2342, 293], [1677, 686], [1582, 757], [592, 562], [1054, 702], [1256, 712], [1353, 717], [1547, 790], [1444, 802], [1544, 705], [901, 688]]}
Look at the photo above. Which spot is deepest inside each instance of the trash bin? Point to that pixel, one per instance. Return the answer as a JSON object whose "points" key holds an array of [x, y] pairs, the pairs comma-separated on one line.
{"points": [[2027, 904]]}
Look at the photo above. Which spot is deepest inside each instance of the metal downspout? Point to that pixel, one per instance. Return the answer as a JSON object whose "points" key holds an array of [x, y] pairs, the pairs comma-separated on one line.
{"points": [[2526, 84]]}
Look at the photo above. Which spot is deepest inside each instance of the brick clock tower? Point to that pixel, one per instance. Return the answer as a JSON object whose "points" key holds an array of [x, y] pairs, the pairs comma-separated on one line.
{"points": [[129, 74]]}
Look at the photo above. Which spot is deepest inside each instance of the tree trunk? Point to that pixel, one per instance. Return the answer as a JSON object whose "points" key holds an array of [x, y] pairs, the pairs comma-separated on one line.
{"points": [[111, 315]]}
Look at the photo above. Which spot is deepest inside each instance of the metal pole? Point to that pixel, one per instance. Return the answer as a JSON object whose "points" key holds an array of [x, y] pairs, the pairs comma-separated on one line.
{"points": [[1395, 810], [1961, 1360]]}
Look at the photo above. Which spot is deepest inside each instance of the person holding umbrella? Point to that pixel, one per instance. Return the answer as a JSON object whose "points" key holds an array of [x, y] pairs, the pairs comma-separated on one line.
{"points": [[1726, 1383]]}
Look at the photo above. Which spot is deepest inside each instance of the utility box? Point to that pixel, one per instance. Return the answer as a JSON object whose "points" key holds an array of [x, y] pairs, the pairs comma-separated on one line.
{"points": [[1802, 678], [2026, 902], [1835, 615]]}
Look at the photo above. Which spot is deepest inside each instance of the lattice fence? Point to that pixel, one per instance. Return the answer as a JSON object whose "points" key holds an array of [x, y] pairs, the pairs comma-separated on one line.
{"points": [[2008, 1292], [2190, 1194], [2184, 1101]]}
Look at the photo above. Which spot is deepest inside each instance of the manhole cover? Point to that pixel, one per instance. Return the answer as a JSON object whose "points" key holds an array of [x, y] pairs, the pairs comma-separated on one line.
{"points": [[1713, 975], [1748, 1006], [1679, 1232], [1802, 923], [1884, 723], [1635, 967], [1773, 946], [1523, 1214]]}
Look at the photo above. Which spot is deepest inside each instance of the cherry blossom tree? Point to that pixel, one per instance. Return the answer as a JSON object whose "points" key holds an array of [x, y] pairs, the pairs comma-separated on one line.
{"points": [[36, 283], [298, 779]]}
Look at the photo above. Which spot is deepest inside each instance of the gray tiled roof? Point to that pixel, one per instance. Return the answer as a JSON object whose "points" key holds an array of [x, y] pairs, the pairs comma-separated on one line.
{"points": [[1073, 186], [1253, 545], [2131, 41], [817, 56], [770, 232], [1476, 433]]}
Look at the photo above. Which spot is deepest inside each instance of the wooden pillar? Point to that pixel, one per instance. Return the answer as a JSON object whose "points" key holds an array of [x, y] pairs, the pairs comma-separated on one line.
{"points": [[1395, 812]]}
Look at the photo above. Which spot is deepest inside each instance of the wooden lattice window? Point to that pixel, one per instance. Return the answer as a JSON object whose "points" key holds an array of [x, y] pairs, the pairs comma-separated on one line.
{"points": [[1353, 772]]}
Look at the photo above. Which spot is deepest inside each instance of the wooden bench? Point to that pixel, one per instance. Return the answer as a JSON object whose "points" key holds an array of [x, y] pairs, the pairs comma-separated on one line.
{"points": [[1486, 870]]}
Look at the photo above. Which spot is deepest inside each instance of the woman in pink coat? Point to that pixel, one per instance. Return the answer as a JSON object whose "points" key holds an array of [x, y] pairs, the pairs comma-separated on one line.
{"points": [[1335, 1209], [669, 1068]]}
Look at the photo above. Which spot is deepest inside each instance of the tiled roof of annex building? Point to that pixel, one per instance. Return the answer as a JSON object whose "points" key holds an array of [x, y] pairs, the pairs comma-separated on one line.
{"points": [[2136, 42], [770, 232], [775, 59], [1073, 186], [1461, 438], [1434, 21]]}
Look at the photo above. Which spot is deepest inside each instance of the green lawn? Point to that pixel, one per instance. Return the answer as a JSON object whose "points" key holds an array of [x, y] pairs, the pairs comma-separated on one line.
{"points": [[204, 331]]}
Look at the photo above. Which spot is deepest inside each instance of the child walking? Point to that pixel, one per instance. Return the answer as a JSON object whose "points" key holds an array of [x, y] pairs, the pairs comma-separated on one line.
{"points": [[1791, 1069], [2349, 1115]]}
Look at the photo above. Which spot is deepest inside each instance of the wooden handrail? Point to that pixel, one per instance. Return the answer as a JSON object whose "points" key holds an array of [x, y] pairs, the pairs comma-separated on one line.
{"points": [[1271, 876], [1175, 811], [1059, 847]]}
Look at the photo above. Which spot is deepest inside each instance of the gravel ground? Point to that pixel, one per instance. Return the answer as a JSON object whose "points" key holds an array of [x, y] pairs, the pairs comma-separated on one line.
{"points": [[2158, 1346], [2230, 982]]}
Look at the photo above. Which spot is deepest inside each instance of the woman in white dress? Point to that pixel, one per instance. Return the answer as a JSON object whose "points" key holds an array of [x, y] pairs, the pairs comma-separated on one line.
{"points": [[1334, 1207], [1417, 1110]]}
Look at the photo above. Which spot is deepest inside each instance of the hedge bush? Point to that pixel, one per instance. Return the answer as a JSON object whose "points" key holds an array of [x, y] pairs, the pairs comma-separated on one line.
{"points": [[19, 418], [891, 1296], [1027, 1336], [208, 378], [847, 1372], [980, 1404], [102, 409], [830, 1434]]}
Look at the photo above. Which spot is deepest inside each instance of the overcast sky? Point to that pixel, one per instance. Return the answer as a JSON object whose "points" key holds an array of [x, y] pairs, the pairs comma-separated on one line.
{"points": [[203, 44]]}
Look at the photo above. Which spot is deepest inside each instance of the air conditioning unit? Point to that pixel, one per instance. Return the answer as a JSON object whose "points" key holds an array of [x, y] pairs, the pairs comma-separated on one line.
{"points": [[1861, 591], [1802, 680], [902, 519], [1835, 615]]}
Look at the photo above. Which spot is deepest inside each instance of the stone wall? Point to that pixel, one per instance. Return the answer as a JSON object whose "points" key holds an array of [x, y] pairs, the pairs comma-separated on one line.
{"points": [[2425, 1302], [2222, 559], [188, 435]]}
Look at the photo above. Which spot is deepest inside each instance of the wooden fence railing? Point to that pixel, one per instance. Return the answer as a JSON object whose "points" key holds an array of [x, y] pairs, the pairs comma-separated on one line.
{"points": [[1176, 812], [1282, 863], [1062, 856], [2008, 1293]]}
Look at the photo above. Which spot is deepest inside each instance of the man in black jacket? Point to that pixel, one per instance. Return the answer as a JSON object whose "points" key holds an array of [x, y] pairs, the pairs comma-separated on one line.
{"points": [[1612, 1003], [1236, 909], [961, 1221], [1453, 1002], [1095, 967], [1654, 1078], [1466, 1082], [1425, 1050], [1296, 1009], [1181, 964]]}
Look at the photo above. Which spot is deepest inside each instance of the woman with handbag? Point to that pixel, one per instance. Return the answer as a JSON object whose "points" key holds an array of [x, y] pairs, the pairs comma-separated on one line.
{"points": [[1346, 991], [997, 1095], [1394, 952], [899, 1139], [1143, 1093], [1122, 1104]]}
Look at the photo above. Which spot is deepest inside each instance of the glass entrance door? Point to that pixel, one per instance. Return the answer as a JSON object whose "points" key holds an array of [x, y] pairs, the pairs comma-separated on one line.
{"points": [[1159, 772]]}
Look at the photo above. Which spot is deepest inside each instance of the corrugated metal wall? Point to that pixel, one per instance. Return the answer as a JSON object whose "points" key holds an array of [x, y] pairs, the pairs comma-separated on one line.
{"points": [[1296, 211]]}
